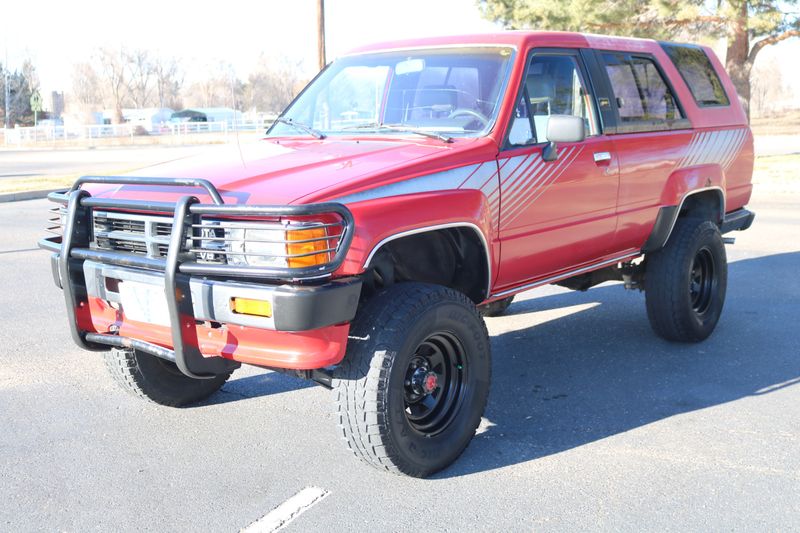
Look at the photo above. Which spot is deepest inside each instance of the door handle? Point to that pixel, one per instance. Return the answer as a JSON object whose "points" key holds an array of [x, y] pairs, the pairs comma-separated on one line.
{"points": [[599, 157]]}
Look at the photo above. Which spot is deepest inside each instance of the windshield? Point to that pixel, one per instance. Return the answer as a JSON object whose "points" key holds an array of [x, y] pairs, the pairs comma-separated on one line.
{"points": [[451, 92]]}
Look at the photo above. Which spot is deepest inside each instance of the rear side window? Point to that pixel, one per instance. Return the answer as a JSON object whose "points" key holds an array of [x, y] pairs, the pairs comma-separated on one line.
{"points": [[698, 73], [642, 95]]}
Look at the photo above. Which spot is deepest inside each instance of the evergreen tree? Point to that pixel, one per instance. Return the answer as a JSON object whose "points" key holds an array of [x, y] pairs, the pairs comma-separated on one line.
{"points": [[748, 25]]}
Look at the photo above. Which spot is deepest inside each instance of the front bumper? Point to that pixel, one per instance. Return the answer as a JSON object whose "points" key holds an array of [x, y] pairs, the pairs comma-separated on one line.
{"points": [[197, 328], [294, 307]]}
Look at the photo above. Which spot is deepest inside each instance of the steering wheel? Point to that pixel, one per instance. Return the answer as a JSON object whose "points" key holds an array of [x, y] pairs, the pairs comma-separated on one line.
{"points": [[469, 112]]}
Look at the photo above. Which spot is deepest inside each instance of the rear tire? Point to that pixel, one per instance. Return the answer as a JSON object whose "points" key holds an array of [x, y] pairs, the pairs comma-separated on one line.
{"points": [[686, 281], [413, 386], [496, 308], [157, 380]]}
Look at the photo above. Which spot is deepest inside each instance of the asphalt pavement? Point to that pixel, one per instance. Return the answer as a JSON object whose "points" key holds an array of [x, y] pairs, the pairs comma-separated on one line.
{"points": [[593, 423], [15, 164]]}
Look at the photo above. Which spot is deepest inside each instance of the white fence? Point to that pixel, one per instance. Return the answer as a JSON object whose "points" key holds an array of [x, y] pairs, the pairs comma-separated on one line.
{"points": [[94, 132]]}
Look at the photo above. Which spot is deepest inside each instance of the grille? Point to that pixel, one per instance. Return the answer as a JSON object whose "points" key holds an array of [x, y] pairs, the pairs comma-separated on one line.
{"points": [[218, 241], [139, 234]]}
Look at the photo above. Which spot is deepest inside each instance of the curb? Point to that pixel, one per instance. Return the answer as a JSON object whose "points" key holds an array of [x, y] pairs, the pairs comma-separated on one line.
{"points": [[26, 195]]}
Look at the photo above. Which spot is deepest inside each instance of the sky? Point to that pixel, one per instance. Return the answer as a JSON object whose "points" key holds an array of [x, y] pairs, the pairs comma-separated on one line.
{"points": [[205, 33], [57, 33]]}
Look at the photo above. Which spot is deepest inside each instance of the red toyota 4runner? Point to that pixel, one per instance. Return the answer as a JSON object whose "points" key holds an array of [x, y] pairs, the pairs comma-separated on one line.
{"points": [[408, 190]]}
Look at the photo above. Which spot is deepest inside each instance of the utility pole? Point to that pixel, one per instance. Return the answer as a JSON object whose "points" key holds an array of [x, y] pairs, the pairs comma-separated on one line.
{"points": [[321, 33], [6, 91]]}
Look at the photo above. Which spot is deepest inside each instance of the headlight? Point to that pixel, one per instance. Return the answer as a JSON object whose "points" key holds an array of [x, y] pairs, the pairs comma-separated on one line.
{"points": [[273, 245], [256, 247]]}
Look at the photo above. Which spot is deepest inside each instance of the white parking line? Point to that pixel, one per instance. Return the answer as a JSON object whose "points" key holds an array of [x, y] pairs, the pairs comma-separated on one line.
{"points": [[280, 517]]}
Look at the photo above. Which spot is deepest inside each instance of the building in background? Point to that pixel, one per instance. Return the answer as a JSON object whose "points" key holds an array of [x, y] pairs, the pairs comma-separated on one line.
{"points": [[208, 114], [149, 119]]}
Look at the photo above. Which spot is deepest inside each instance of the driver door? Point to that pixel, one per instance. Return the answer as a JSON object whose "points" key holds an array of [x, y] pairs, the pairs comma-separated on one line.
{"points": [[555, 216]]}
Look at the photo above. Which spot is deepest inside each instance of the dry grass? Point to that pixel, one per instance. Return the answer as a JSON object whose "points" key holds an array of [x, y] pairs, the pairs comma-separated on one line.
{"points": [[46, 183], [778, 173], [787, 123], [36, 183]]}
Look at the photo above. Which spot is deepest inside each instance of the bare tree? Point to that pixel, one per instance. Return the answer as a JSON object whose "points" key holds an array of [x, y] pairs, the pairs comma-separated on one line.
{"points": [[114, 77], [86, 85], [140, 80], [30, 75], [169, 81], [767, 89], [220, 89], [272, 85]]}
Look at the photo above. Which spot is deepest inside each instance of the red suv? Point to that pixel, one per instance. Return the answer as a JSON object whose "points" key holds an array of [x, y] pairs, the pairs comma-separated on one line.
{"points": [[409, 189]]}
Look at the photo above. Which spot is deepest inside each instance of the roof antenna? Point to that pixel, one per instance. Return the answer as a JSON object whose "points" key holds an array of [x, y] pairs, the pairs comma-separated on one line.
{"points": [[235, 121]]}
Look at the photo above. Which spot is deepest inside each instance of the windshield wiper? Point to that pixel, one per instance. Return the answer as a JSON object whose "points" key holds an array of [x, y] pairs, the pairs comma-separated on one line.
{"points": [[400, 128], [300, 126]]}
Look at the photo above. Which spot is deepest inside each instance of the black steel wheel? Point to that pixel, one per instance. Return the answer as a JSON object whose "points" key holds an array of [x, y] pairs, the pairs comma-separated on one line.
{"points": [[686, 281], [702, 282], [413, 386], [436, 383]]}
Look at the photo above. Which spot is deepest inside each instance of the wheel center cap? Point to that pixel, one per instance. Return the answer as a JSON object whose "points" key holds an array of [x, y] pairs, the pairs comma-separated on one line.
{"points": [[423, 381], [430, 382]]}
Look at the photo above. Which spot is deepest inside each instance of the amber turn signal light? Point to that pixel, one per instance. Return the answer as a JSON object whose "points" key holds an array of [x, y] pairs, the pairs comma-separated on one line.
{"points": [[248, 306], [302, 245]]}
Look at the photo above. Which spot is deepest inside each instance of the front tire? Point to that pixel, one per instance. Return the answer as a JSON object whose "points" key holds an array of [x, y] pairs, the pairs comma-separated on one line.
{"points": [[154, 379], [686, 282], [413, 386]]}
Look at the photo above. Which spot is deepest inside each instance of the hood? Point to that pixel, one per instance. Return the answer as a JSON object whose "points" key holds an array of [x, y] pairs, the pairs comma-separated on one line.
{"points": [[286, 171]]}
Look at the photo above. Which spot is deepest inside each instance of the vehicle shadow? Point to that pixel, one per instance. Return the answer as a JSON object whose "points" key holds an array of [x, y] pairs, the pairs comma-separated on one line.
{"points": [[597, 370], [256, 386]]}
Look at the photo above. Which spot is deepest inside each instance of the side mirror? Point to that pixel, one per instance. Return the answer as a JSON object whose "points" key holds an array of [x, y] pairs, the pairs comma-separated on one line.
{"points": [[562, 129]]}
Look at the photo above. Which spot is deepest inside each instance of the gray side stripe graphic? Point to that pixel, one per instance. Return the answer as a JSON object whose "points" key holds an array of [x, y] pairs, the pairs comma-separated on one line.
{"points": [[533, 193], [440, 181], [721, 147]]}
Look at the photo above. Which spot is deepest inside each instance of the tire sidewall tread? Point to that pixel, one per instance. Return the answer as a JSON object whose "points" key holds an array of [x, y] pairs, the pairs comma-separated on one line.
{"points": [[384, 334], [147, 378], [667, 276]]}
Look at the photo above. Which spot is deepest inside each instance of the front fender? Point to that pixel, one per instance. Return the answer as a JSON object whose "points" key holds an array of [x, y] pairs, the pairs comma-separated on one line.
{"points": [[380, 220]]}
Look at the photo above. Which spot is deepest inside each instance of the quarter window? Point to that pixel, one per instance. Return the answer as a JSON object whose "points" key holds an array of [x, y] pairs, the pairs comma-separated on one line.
{"points": [[641, 93], [698, 73]]}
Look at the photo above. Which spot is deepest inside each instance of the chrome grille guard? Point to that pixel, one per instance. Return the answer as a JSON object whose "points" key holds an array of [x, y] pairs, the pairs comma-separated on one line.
{"points": [[195, 211], [72, 248]]}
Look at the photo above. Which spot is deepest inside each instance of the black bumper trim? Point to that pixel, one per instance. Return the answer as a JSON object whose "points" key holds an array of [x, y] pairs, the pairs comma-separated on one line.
{"points": [[738, 220], [299, 308]]}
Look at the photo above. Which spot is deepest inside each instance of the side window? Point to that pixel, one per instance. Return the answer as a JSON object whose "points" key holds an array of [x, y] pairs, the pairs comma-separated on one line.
{"points": [[641, 93], [698, 73], [553, 85]]}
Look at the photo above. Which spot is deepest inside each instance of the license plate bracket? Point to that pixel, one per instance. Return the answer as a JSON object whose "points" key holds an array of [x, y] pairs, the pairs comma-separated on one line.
{"points": [[143, 302]]}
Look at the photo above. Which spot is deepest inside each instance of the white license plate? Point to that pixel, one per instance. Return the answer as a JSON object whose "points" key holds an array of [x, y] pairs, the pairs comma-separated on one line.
{"points": [[143, 302]]}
